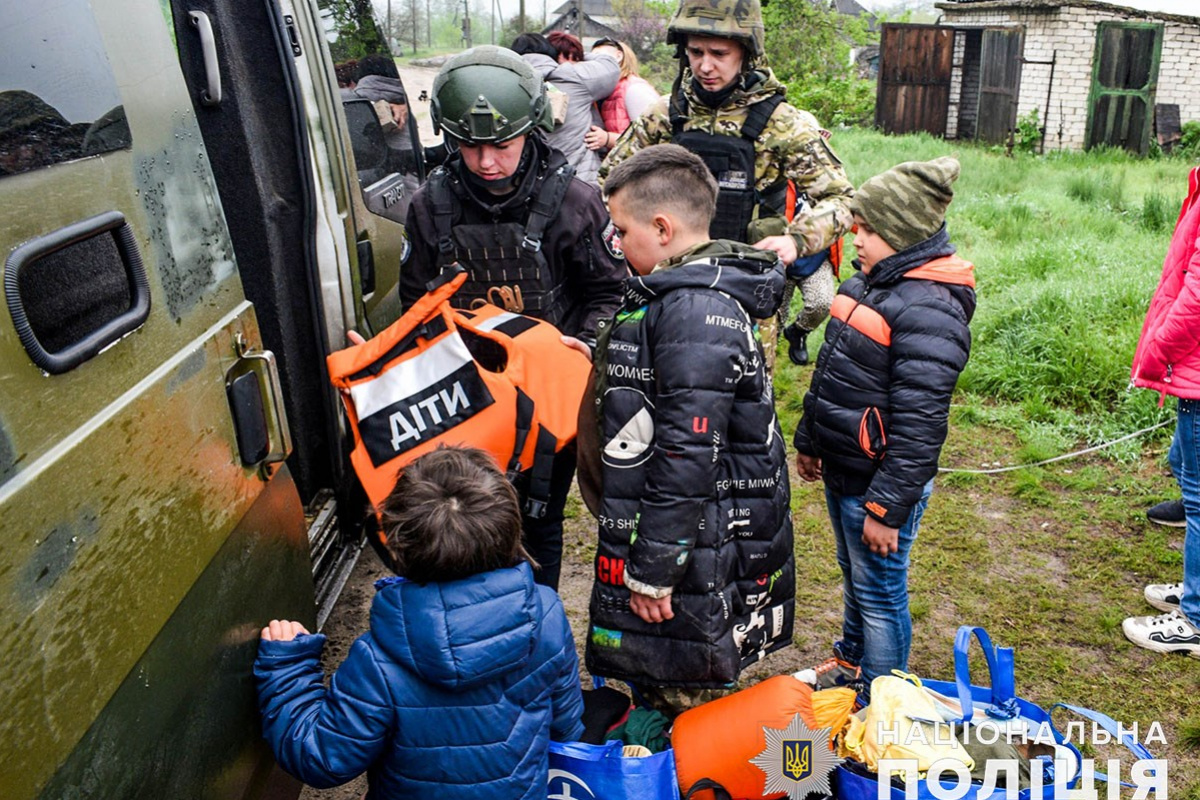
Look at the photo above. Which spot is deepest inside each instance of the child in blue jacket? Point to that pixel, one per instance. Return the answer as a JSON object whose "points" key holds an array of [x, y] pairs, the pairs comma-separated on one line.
{"points": [[468, 669]]}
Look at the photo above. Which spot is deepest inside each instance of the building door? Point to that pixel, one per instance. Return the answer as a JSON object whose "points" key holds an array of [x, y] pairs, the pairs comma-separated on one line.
{"points": [[914, 78], [1000, 83], [1124, 80]]}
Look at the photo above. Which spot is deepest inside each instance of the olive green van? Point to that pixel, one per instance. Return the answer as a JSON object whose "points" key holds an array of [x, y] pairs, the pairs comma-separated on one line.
{"points": [[187, 232]]}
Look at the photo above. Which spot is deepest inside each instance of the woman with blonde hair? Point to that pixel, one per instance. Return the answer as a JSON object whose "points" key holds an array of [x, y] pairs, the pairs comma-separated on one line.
{"points": [[633, 95]]}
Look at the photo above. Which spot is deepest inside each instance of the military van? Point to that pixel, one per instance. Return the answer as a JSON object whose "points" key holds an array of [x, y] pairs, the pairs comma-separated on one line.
{"points": [[192, 217]]}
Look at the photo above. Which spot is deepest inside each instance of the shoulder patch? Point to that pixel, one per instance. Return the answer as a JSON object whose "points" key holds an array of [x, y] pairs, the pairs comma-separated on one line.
{"points": [[405, 250], [612, 241]]}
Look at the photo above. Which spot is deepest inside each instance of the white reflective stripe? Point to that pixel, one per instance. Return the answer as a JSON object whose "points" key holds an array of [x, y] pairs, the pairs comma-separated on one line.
{"points": [[496, 321], [410, 377]]}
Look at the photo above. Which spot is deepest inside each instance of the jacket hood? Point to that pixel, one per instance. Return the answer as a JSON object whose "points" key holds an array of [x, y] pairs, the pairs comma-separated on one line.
{"points": [[459, 634], [931, 260], [757, 85], [542, 65], [752, 277], [378, 87]]}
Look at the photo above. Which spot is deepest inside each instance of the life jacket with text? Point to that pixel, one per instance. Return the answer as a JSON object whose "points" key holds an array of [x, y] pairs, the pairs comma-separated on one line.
{"points": [[504, 260], [486, 378]]}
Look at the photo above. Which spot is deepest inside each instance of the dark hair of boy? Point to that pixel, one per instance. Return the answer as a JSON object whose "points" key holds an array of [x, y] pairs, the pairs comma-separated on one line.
{"points": [[665, 177], [567, 45], [376, 64], [452, 515], [527, 43]]}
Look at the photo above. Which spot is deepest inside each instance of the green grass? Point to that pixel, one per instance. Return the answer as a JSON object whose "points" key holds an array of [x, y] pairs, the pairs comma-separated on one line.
{"points": [[1068, 249]]}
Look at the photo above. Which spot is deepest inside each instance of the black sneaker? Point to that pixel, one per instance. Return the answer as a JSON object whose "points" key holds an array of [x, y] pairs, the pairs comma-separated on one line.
{"points": [[797, 339], [1168, 512]]}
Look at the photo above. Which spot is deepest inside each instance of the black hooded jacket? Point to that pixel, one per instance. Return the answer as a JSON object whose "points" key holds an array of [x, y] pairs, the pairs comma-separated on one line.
{"points": [[695, 483], [877, 410]]}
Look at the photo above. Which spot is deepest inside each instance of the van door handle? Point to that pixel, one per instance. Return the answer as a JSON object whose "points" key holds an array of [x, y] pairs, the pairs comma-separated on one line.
{"points": [[256, 401], [211, 94]]}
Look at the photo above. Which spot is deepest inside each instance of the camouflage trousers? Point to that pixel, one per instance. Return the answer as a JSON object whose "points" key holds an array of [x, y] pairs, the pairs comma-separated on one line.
{"points": [[671, 701], [816, 292]]}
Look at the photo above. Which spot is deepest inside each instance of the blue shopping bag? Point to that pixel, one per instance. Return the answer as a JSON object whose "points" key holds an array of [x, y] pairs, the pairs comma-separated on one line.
{"points": [[853, 781], [579, 770]]}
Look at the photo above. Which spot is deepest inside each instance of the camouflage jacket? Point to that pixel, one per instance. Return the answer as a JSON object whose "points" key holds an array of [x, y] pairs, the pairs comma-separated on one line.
{"points": [[790, 147]]}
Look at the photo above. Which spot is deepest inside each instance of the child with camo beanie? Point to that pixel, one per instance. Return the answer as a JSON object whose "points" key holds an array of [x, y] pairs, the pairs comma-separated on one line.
{"points": [[876, 413]]}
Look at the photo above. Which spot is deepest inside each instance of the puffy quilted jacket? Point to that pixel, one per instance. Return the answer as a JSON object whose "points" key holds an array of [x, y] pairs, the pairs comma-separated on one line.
{"points": [[453, 693], [1167, 357], [877, 410], [695, 483]]}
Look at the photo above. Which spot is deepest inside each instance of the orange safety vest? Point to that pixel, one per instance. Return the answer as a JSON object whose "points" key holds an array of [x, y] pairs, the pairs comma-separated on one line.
{"points": [[486, 378]]}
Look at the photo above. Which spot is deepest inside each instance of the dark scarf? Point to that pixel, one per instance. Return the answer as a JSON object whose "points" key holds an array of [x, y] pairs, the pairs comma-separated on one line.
{"points": [[484, 191], [519, 185], [715, 99]]}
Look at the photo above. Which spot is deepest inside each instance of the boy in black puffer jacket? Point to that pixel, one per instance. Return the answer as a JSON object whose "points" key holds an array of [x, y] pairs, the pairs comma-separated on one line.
{"points": [[876, 413], [694, 570]]}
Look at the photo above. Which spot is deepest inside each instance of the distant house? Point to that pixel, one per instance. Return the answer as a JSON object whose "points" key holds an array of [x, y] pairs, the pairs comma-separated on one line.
{"points": [[853, 8], [599, 19], [1097, 73], [864, 59]]}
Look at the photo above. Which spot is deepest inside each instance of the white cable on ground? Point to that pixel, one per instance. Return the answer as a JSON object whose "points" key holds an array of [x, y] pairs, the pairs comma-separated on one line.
{"points": [[1063, 457]]}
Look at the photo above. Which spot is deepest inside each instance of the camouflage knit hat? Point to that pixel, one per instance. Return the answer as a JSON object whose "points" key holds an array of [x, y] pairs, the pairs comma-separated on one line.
{"points": [[907, 204]]}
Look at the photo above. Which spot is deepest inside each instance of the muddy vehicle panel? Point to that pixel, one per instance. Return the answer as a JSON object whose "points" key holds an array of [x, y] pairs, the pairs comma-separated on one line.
{"points": [[184, 227]]}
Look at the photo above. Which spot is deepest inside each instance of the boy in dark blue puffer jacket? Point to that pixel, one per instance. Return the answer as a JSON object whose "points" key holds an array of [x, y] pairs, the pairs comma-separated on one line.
{"points": [[877, 411], [468, 669]]}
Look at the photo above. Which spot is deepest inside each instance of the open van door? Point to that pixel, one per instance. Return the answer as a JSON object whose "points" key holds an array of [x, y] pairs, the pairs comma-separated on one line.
{"points": [[183, 248]]}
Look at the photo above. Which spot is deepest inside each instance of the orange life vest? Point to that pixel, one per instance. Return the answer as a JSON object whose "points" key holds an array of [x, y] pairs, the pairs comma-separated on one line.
{"points": [[485, 378]]}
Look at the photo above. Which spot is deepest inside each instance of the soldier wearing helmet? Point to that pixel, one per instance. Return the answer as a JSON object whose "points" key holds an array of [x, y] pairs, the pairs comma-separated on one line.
{"points": [[781, 187], [506, 207]]}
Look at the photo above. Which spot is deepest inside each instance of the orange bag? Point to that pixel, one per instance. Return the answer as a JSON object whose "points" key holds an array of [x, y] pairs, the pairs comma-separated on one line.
{"points": [[484, 378], [718, 740]]}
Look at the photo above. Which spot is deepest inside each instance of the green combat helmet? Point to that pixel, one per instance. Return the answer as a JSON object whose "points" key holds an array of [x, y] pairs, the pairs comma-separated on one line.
{"points": [[740, 20], [488, 95]]}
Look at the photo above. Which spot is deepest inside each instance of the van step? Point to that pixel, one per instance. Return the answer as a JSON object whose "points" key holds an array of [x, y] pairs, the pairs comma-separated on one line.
{"points": [[333, 554]]}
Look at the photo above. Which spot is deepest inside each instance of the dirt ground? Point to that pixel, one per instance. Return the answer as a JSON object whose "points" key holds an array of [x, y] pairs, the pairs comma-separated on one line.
{"points": [[418, 83], [981, 523]]}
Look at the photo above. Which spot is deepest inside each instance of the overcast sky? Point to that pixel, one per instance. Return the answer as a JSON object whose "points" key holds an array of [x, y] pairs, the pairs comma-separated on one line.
{"points": [[1189, 7]]}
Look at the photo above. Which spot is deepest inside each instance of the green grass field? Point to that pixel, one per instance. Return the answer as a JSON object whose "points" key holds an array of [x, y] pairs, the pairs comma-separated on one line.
{"points": [[1068, 249]]}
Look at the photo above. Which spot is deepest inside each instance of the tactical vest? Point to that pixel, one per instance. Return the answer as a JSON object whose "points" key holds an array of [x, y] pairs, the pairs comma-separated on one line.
{"points": [[731, 161], [488, 378], [505, 261]]}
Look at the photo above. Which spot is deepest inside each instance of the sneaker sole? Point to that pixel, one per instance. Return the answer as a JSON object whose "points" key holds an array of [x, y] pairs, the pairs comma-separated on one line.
{"points": [[1158, 647], [1168, 523], [1162, 605]]}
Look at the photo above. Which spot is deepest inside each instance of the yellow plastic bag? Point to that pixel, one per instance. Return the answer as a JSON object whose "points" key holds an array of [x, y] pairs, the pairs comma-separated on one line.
{"points": [[902, 721]]}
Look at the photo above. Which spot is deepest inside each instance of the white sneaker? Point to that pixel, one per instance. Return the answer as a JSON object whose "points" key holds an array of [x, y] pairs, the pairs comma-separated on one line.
{"points": [[1168, 633], [1164, 596]]}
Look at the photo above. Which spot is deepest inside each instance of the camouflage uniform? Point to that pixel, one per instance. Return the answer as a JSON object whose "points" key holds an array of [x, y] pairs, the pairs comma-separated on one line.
{"points": [[790, 147]]}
